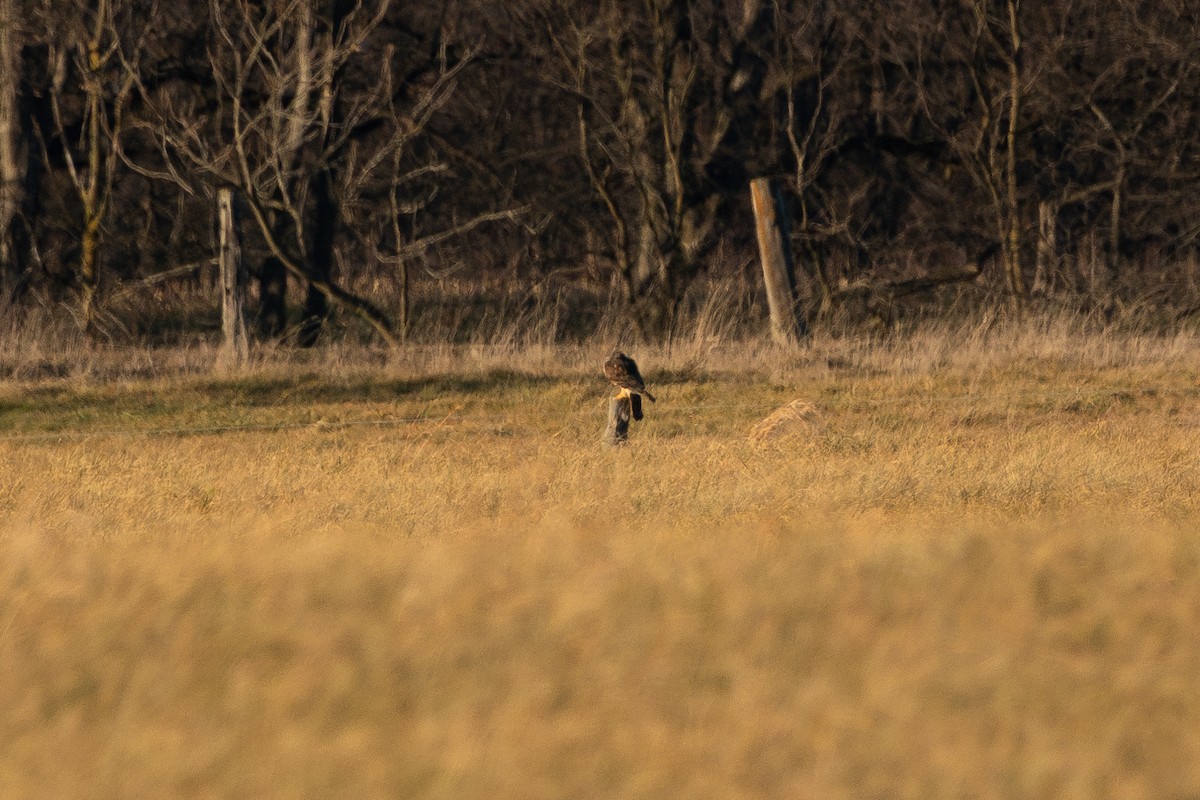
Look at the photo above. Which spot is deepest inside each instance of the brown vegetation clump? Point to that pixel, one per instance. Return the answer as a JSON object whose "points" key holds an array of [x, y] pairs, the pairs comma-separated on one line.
{"points": [[798, 417]]}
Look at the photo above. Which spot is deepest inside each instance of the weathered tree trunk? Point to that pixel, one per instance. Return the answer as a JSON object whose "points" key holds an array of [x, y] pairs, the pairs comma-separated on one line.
{"points": [[89, 267], [405, 304], [94, 192], [1093, 272], [401, 266], [271, 318], [235, 344], [1012, 236], [787, 326], [1113, 253], [11, 172], [1046, 269], [323, 229]]}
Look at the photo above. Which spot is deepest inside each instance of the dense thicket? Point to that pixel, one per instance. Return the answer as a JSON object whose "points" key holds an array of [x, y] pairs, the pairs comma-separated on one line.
{"points": [[1043, 151]]}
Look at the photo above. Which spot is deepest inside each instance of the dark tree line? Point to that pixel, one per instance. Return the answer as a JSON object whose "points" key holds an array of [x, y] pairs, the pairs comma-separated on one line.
{"points": [[1042, 151]]}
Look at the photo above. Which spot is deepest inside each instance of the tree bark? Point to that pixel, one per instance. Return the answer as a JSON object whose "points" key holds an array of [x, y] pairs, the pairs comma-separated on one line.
{"points": [[1113, 260], [404, 302], [11, 172], [272, 298], [235, 344], [323, 229], [1012, 249], [1047, 249], [787, 326], [94, 191]]}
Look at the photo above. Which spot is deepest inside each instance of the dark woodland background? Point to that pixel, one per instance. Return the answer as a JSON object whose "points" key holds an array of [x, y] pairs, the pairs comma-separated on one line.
{"points": [[417, 165]]}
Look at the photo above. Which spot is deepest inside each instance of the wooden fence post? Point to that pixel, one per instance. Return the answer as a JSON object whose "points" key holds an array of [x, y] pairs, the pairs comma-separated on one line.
{"points": [[235, 344], [620, 411], [775, 252]]}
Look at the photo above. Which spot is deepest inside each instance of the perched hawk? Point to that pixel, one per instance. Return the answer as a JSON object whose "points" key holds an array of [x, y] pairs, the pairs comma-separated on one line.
{"points": [[622, 372]]}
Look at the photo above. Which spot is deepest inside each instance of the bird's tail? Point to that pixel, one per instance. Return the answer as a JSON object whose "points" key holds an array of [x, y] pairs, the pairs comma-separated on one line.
{"points": [[652, 400]]}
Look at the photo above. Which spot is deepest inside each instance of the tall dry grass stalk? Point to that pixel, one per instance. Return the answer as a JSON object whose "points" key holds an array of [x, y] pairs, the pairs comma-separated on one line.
{"points": [[714, 338]]}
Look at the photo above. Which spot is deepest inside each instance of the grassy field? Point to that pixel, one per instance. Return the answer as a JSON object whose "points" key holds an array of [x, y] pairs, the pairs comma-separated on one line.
{"points": [[969, 566]]}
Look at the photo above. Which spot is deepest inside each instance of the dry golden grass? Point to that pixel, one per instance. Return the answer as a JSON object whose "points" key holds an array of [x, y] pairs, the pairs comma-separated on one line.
{"points": [[979, 576]]}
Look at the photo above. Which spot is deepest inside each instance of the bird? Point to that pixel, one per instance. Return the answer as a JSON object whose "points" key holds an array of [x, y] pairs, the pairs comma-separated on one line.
{"points": [[622, 372]]}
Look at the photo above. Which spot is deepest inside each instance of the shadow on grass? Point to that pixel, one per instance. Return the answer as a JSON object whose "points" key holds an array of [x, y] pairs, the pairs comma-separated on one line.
{"points": [[312, 388], [60, 408]]}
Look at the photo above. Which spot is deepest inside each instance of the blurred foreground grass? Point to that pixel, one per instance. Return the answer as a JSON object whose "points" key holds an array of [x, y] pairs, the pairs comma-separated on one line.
{"points": [[943, 583]]}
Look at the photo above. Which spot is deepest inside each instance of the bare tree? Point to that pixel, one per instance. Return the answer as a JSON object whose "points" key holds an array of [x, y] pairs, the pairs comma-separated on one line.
{"points": [[315, 122], [812, 62], [12, 172], [276, 69], [94, 49], [1127, 110], [265, 125], [987, 146], [666, 95], [385, 180]]}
